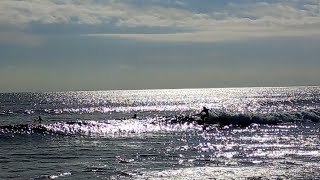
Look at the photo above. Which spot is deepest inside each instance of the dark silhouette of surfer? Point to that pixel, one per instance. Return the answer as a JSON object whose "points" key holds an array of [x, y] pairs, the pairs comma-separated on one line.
{"points": [[205, 111], [39, 120], [134, 116], [204, 114]]}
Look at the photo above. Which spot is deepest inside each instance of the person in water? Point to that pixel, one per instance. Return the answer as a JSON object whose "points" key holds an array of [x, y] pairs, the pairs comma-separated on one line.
{"points": [[205, 111], [39, 120], [204, 114], [134, 116]]}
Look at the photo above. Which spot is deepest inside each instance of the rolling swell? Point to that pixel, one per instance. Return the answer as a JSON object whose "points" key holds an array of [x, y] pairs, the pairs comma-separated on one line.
{"points": [[246, 119], [162, 124], [23, 129], [226, 118]]}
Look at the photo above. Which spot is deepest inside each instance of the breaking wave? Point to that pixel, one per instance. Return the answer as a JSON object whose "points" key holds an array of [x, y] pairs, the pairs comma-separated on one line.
{"points": [[162, 124], [227, 118], [94, 128]]}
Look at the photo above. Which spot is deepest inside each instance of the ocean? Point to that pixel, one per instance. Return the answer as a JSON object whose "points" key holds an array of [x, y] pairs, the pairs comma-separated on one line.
{"points": [[92, 135]]}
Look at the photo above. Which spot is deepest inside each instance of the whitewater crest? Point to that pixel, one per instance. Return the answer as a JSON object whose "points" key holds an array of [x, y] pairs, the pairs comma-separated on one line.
{"points": [[162, 124], [246, 119], [95, 128]]}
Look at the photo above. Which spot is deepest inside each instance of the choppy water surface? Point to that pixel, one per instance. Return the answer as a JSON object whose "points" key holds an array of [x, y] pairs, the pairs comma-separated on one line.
{"points": [[109, 144]]}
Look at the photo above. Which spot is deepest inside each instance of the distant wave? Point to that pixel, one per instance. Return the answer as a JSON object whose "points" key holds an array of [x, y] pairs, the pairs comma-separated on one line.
{"points": [[94, 128], [226, 118], [160, 124], [95, 109], [246, 119]]}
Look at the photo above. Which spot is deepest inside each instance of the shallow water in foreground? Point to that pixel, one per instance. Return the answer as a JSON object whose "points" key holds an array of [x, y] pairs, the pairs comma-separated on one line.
{"points": [[281, 151], [107, 148]]}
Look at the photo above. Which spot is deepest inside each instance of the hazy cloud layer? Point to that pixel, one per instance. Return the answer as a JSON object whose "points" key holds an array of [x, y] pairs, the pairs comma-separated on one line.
{"points": [[141, 44], [162, 20]]}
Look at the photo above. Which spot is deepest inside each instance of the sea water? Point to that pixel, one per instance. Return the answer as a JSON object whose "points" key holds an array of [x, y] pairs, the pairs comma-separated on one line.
{"points": [[91, 135]]}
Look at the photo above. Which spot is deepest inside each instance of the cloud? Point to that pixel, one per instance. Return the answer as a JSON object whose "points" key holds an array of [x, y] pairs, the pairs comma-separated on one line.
{"points": [[242, 21], [215, 36], [174, 20], [88, 13]]}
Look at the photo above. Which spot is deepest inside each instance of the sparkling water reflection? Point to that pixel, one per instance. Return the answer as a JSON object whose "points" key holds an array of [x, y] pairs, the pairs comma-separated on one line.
{"points": [[90, 135]]}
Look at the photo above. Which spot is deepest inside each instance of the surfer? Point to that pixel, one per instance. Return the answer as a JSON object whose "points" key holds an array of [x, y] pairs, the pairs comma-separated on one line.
{"points": [[204, 114], [205, 111], [134, 116], [39, 120]]}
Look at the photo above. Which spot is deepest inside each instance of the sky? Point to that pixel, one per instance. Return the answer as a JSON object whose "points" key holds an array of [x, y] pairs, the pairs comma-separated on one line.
{"points": [[61, 45]]}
